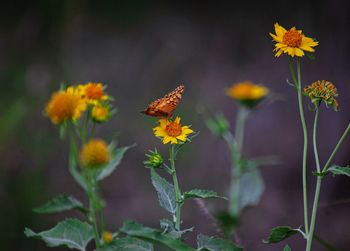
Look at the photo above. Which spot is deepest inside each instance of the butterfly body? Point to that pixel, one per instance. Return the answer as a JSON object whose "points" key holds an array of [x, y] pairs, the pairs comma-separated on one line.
{"points": [[165, 106]]}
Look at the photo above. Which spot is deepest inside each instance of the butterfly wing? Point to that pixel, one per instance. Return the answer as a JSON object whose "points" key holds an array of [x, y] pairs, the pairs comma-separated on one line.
{"points": [[164, 107]]}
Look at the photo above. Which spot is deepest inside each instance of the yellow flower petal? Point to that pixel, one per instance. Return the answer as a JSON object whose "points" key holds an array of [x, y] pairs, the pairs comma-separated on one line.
{"points": [[173, 140], [163, 123], [182, 137]]}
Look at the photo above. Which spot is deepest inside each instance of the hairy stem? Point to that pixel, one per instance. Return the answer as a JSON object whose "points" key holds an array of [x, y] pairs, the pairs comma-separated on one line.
{"points": [[314, 139], [92, 207], [318, 184], [177, 218], [297, 83]]}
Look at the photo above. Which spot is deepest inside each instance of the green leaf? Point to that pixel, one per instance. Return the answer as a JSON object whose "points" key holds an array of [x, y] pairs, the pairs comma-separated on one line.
{"points": [[70, 233], [201, 193], [321, 174], [117, 156], [59, 204], [227, 222], [218, 124], [165, 191], [280, 233], [126, 244], [169, 228], [135, 229], [215, 244], [251, 188], [287, 248], [310, 56], [339, 170]]}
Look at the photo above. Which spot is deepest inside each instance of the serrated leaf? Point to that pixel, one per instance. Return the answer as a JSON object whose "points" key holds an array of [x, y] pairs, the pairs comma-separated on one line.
{"points": [[169, 228], [71, 233], [339, 170], [215, 244], [280, 233], [59, 204], [126, 244], [117, 156], [202, 194], [135, 229], [165, 191], [251, 188], [287, 248]]}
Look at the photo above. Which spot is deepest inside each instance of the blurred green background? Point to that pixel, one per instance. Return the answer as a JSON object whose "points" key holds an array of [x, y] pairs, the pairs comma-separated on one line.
{"points": [[141, 50]]}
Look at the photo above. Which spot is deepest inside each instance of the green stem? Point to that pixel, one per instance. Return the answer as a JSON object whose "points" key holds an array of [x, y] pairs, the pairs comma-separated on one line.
{"points": [[330, 159], [177, 216], [318, 184], [314, 212], [297, 83], [317, 160], [236, 146], [92, 204]]}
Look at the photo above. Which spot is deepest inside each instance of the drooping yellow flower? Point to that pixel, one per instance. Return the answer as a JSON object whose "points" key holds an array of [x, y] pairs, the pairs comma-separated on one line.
{"points": [[93, 92], [65, 105], [292, 42], [94, 153], [107, 237], [172, 131], [100, 113], [247, 93], [322, 90]]}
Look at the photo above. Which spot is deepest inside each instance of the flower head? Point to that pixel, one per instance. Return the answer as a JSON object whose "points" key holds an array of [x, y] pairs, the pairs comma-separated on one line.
{"points": [[100, 113], [322, 90], [107, 237], [155, 160], [93, 92], [65, 105], [172, 131], [247, 93], [94, 153], [292, 42]]}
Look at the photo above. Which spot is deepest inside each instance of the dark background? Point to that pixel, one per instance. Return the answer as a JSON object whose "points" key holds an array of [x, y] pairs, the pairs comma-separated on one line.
{"points": [[141, 50]]}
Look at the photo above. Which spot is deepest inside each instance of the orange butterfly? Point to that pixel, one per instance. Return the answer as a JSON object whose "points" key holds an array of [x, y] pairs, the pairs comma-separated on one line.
{"points": [[165, 106]]}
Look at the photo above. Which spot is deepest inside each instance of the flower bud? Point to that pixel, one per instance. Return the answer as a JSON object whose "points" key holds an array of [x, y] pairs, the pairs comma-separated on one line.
{"points": [[322, 90], [107, 237], [155, 160]]}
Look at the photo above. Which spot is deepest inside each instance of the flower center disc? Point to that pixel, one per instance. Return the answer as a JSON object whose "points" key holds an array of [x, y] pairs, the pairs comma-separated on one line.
{"points": [[173, 129], [292, 38]]}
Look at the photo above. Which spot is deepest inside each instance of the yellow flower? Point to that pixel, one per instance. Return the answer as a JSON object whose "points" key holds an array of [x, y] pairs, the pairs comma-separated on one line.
{"points": [[247, 93], [94, 153], [93, 92], [65, 105], [292, 42], [172, 131], [100, 113], [322, 90], [107, 237]]}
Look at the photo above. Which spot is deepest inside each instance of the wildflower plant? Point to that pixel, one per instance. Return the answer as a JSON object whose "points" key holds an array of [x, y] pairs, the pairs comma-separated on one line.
{"points": [[295, 44], [246, 184], [76, 111], [174, 135]]}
